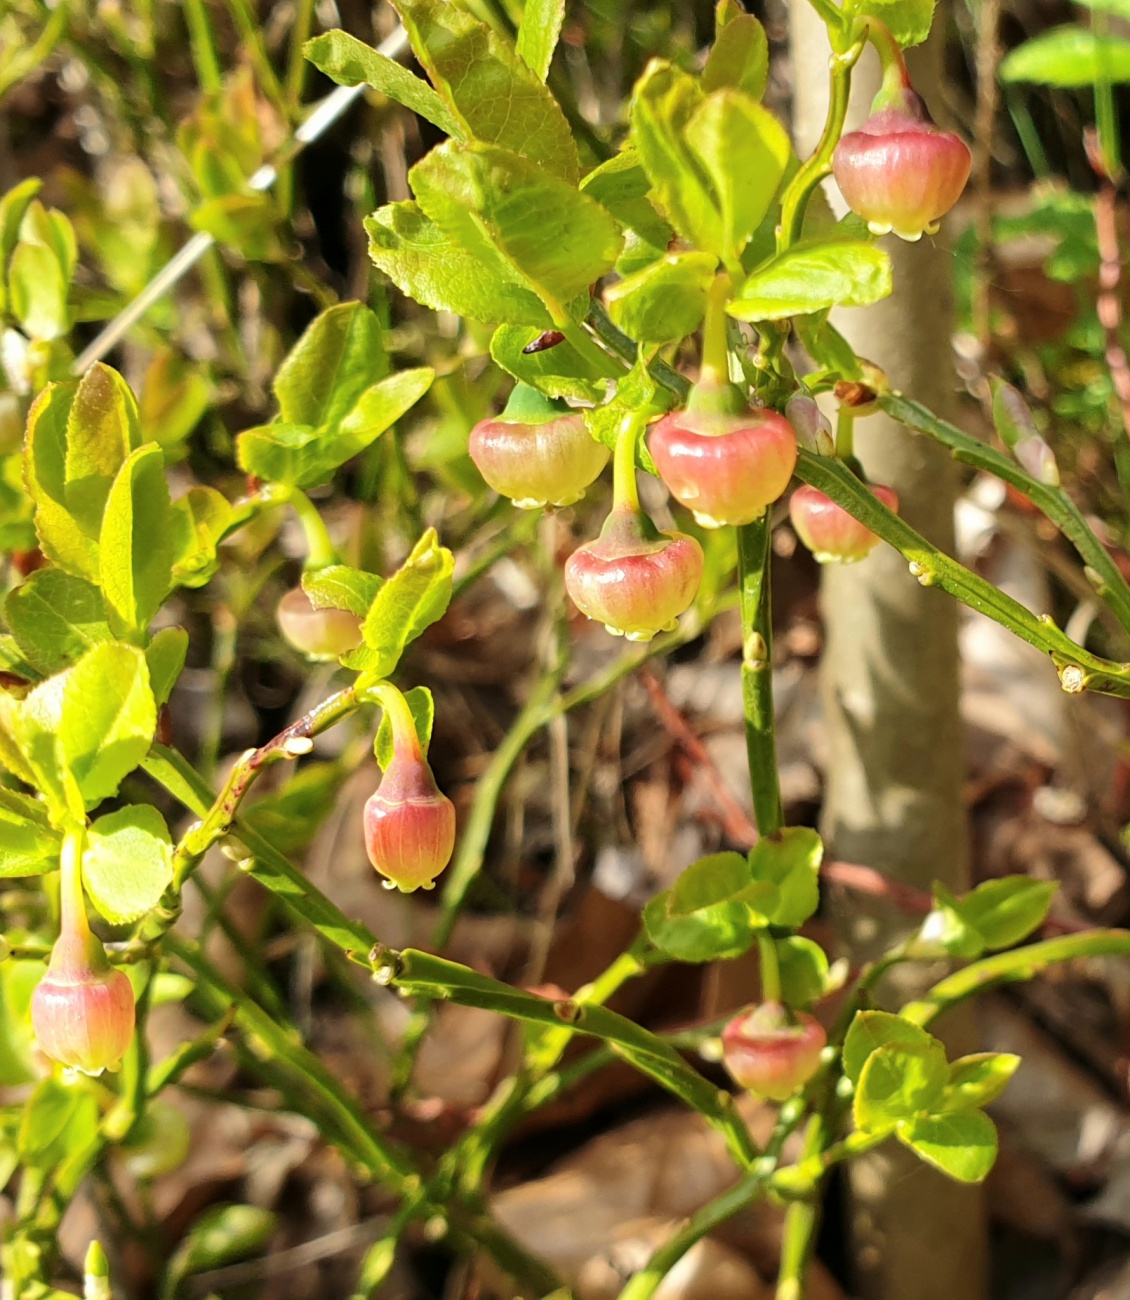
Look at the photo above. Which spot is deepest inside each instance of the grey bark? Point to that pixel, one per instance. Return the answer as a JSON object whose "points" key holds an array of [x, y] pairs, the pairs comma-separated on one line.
{"points": [[890, 684]]}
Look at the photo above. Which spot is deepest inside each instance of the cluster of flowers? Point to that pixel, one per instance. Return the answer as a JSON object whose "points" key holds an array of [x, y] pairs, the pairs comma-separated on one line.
{"points": [[900, 173]]}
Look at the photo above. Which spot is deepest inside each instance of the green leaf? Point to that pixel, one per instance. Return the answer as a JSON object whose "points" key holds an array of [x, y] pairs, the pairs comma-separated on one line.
{"points": [[63, 539], [909, 20], [107, 717], [50, 228], [13, 205], [743, 151], [59, 1119], [538, 32], [340, 354], [739, 57], [128, 862], [423, 709], [221, 1234], [12, 756], [200, 520], [55, 618], [663, 103], [962, 1145], [790, 860], [28, 845], [165, 655], [35, 724], [378, 408], [1006, 910], [288, 454], [137, 541], [518, 221], [337, 586], [665, 300], [102, 430], [346, 60], [636, 394], [434, 269], [37, 290], [488, 88], [870, 1030], [899, 1082], [712, 912], [1070, 57], [803, 967], [414, 597], [559, 371], [977, 1080], [622, 187], [813, 277], [290, 817], [174, 395]]}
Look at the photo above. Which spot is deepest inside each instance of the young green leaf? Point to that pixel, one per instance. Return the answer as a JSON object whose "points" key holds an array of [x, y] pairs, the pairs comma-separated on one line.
{"points": [[557, 371], [978, 1080], [35, 723], [378, 408], [962, 1145], [790, 860], [338, 357], [664, 301], [337, 586], [908, 20], [518, 220], [622, 187], [165, 655], [1006, 910], [422, 707], [128, 862], [1069, 57], [739, 57], [287, 454], [290, 817], [424, 262], [59, 1120], [28, 845], [107, 717], [743, 151], [813, 277], [663, 103], [12, 756], [13, 205], [137, 542], [803, 968], [102, 430], [37, 289], [55, 618], [871, 1030], [712, 912], [348, 61], [414, 597], [538, 33], [488, 88], [899, 1082], [200, 520], [62, 537]]}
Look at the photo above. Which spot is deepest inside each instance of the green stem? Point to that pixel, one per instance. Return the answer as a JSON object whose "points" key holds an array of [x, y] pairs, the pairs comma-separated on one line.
{"points": [[770, 968], [1079, 670], [896, 78], [1051, 500], [208, 72], [247, 25], [405, 741], [845, 432], [715, 368], [296, 60], [757, 672], [73, 920], [625, 490], [320, 551], [1106, 115], [819, 165]]}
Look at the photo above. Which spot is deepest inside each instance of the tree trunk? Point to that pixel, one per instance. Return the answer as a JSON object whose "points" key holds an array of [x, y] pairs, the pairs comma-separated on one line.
{"points": [[891, 695]]}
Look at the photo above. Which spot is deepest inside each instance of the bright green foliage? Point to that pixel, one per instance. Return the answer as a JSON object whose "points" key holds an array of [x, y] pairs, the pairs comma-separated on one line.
{"points": [[909, 20], [201, 519], [128, 862], [221, 1235], [904, 1085], [337, 586], [739, 57], [59, 1121], [790, 861], [1069, 57], [55, 618], [422, 707], [803, 969], [713, 911], [997, 914], [488, 87], [813, 277], [28, 845], [340, 355], [665, 300], [414, 597], [165, 654], [538, 33], [622, 186], [348, 61], [40, 267], [559, 371], [136, 543]]}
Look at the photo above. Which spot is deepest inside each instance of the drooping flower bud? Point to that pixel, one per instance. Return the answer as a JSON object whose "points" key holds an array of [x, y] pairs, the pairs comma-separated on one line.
{"points": [[829, 531], [82, 1011], [633, 578], [409, 822], [900, 172], [538, 452], [725, 468], [771, 1051], [317, 633]]}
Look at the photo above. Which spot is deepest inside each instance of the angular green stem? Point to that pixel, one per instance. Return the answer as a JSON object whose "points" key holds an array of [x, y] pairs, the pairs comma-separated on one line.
{"points": [[754, 551]]}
